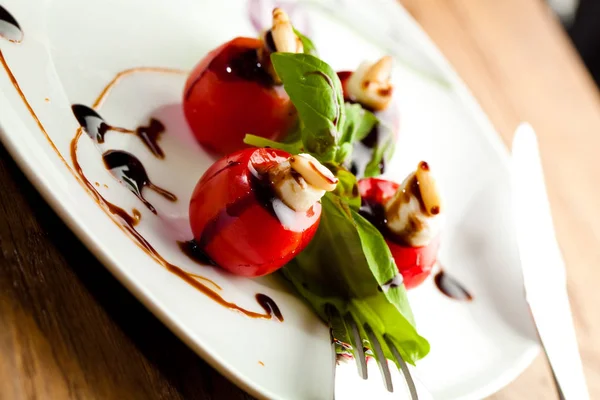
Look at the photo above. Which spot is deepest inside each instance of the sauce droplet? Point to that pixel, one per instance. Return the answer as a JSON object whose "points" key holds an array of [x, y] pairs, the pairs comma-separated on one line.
{"points": [[269, 306], [451, 287], [149, 136], [413, 188], [91, 122], [392, 283], [96, 128], [137, 216], [130, 171], [245, 65], [236, 63], [194, 252], [9, 27], [124, 215]]}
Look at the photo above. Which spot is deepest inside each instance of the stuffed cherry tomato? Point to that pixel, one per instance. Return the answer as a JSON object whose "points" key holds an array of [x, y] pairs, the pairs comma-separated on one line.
{"points": [[408, 216], [234, 91], [254, 210], [370, 87]]}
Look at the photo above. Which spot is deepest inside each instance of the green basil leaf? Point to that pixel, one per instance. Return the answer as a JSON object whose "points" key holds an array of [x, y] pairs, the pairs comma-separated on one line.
{"points": [[382, 263], [258, 141], [359, 122], [307, 44], [349, 265], [382, 153], [316, 92], [294, 134], [344, 151], [347, 188], [357, 125]]}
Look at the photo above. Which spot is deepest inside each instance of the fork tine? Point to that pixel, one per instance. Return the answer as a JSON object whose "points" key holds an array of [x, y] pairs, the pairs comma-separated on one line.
{"points": [[380, 357], [334, 356], [404, 368], [346, 330], [361, 360]]}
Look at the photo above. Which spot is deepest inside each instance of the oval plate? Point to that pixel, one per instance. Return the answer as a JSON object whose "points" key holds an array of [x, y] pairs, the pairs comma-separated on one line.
{"points": [[128, 61]]}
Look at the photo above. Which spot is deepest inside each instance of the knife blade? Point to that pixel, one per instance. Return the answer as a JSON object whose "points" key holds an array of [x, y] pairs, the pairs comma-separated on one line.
{"points": [[544, 273]]}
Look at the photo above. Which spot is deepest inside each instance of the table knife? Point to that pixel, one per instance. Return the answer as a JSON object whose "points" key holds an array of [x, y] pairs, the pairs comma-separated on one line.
{"points": [[544, 272]]}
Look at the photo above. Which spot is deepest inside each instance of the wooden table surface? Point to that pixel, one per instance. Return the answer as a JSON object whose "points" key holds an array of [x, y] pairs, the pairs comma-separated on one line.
{"points": [[68, 329]]}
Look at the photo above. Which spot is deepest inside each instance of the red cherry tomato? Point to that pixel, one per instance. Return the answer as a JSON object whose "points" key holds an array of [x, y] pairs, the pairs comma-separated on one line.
{"points": [[229, 94], [239, 222], [414, 263], [344, 76]]}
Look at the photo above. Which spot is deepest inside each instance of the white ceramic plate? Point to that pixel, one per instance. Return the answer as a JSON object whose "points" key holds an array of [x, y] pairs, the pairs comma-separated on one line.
{"points": [[70, 51]]}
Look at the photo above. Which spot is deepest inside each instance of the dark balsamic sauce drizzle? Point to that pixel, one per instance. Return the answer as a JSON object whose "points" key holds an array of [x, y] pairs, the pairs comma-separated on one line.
{"points": [[9, 27], [129, 170], [149, 136], [415, 190], [191, 249], [230, 164], [338, 106], [261, 192], [128, 227], [91, 122], [372, 139], [129, 222], [375, 213], [96, 128], [236, 63], [124, 215], [395, 282], [269, 306], [11, 30], [245, 65], [223, 219], [270, 42], [137, 216], [451, 287], [190, 90]]}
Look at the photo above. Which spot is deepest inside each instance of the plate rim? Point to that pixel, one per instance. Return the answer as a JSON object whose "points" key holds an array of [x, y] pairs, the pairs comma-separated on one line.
{"points": [[30, 165]]}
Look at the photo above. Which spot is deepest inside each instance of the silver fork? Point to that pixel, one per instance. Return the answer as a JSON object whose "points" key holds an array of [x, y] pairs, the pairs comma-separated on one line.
{"points": [[346, 329]]}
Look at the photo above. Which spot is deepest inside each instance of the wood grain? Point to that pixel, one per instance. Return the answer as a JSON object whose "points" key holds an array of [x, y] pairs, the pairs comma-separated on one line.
{"points": [[69, 330], [519, 64]]}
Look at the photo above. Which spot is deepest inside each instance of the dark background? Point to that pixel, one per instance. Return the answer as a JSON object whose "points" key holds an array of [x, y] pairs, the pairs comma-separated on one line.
{"points": [[584, 30]]}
